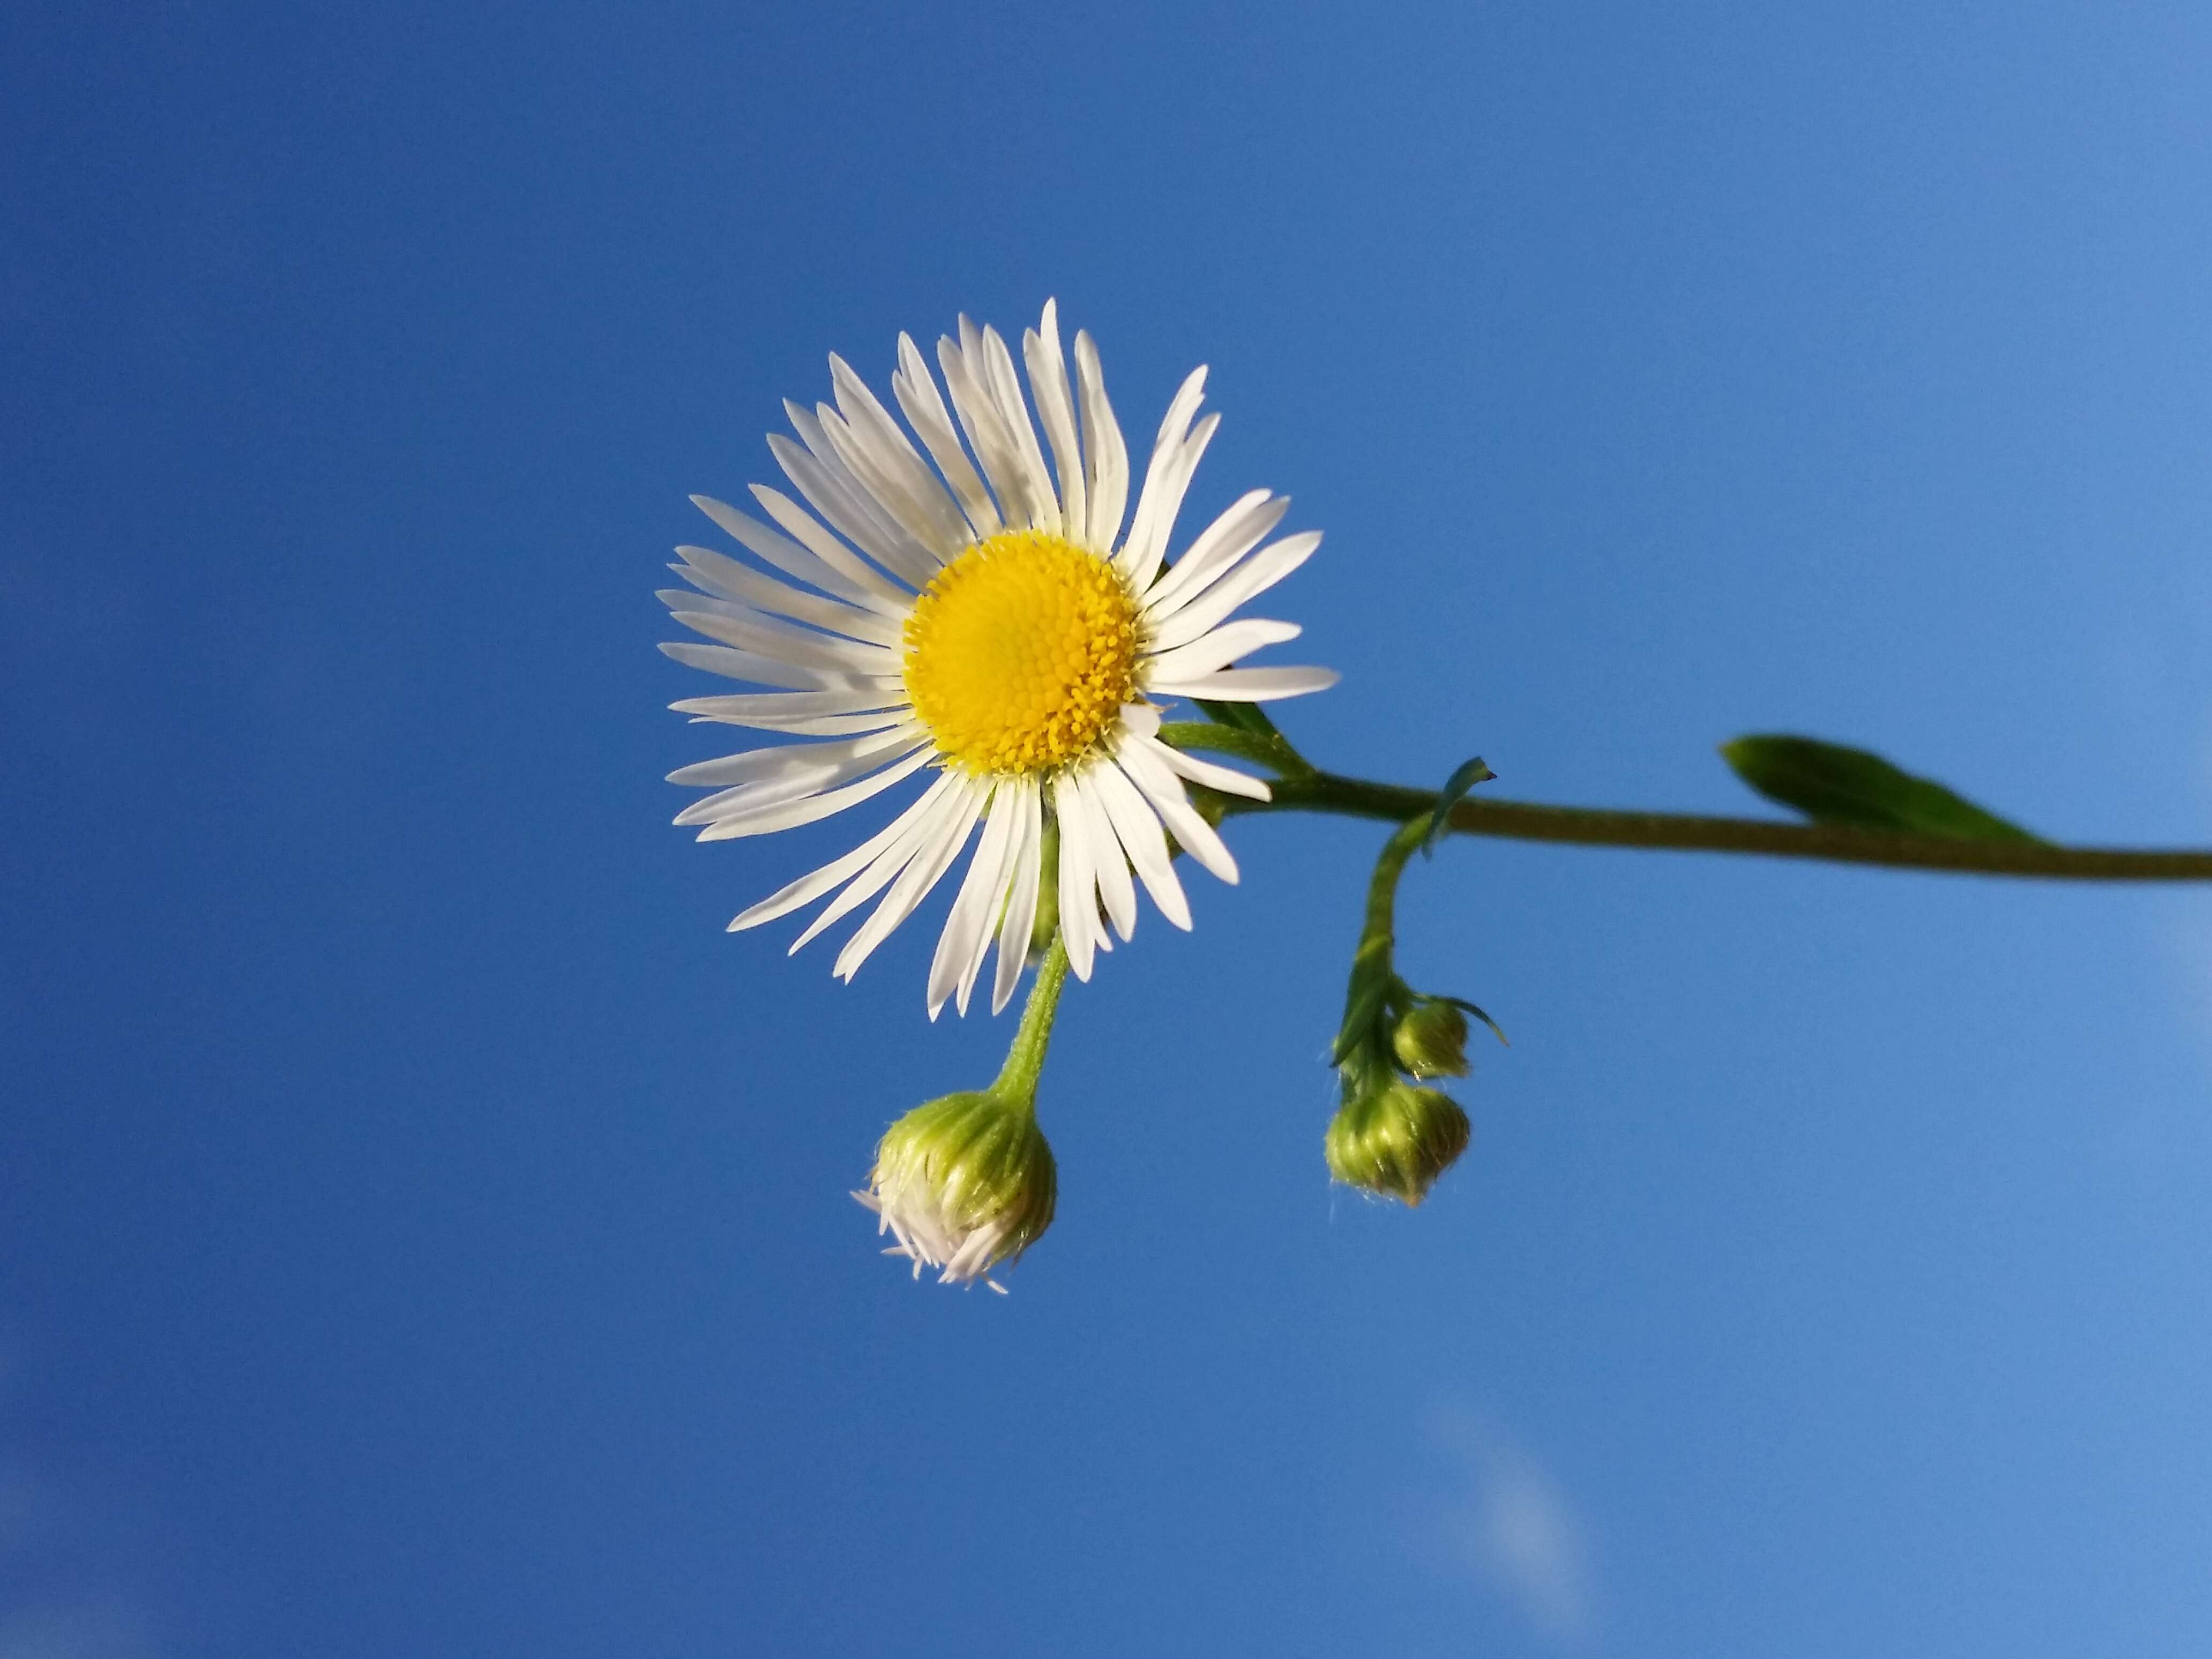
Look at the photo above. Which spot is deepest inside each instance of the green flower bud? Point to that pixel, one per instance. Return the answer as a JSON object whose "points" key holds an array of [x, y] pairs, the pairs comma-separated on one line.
{"points": [[1395, 1141], [964, 1184], [1430, 1040]]}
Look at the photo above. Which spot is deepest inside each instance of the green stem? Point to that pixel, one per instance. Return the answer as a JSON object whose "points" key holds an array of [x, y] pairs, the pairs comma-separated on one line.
{"points": [[1017, 1077], [1046, 926], [1373, 973], [1379, 934], [1268, 749], [1324, 791]]}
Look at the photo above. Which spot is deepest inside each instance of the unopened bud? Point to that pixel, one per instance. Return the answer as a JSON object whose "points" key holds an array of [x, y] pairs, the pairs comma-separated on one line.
{"points": [[965, 1184], [1430, 1040], [1397, 1140]]}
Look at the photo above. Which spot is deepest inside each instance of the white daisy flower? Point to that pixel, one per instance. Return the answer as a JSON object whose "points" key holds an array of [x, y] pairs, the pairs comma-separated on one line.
{"points": [[987, 617]]}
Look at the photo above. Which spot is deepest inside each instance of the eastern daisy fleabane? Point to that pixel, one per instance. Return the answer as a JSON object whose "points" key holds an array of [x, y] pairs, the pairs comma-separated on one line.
{"points": [[982, 614]]}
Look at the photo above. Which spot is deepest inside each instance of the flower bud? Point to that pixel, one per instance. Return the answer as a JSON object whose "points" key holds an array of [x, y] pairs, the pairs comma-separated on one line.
{"points": [[1395, 1141], [964, 1184], [1430, 1040]]}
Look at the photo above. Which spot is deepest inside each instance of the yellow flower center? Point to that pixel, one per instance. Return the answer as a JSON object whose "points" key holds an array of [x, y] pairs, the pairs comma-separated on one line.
{"points": [[1021, 652]]}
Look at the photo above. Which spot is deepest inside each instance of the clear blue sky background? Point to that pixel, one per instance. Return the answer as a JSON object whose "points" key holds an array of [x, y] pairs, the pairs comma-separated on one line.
{"points": [[422, 1232]]}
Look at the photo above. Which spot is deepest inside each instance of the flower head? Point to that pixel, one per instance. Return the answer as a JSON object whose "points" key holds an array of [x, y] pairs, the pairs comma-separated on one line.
{"points": [[964, 1184], [983, 607]]}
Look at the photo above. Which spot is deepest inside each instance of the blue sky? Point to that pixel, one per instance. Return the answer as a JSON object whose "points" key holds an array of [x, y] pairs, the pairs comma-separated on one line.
{"points": [[426, 1231]]}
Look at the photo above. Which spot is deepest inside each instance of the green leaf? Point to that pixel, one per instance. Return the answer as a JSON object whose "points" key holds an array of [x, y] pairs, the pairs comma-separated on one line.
{"points": [[1360, 1019], [1831, 783], [1465, 1006], [1243, 716], [1456, 787]]}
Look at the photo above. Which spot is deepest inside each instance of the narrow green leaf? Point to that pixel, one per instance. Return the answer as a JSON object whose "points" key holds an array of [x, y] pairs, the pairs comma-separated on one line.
{"points": [[1456, 787], [1243, 716], [1831, 783], [1362, 1008], [1465, 1006]]}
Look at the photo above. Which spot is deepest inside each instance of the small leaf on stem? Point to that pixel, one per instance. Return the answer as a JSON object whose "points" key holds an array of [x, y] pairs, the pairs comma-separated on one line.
{"points": [[1832, 783], [1465, 1006], [1456, 787]]}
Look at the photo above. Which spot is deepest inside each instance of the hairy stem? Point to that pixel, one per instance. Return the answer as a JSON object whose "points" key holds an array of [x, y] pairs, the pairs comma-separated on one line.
{"points": [[1018, 1079], [1323, 792]]}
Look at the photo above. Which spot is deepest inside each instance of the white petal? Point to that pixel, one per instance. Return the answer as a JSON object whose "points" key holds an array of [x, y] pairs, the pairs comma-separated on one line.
{"points": [[1007, 393], [1217, 649], [916, 391], [770, 761], [718, 573], [1105, 451], [1182, 410], [1175, 428], [1020, 919], [849, 505], [1056, 405], [1144, 567], [1111, 863], [923, 502], [829, 725], [967, 934], [832, 568], [809, 768], [735, 711], [1010, 864], [1147, 534], [919, 829], [1229, 781], [863, 578], [1253, 685], [914, 882], [873, 473], [789, 816], [812, 886], [1137, 829], [1078, 907], [885, 650], [763, 670], [1218, 546], [1141, 717], [1184, 623], [843, 501], [987, 434], [786, 643], [1160, 787], [780, 706]]}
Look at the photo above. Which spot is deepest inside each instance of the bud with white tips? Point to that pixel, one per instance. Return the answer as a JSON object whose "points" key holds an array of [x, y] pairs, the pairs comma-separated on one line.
{"points": [[965, 1184]]}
